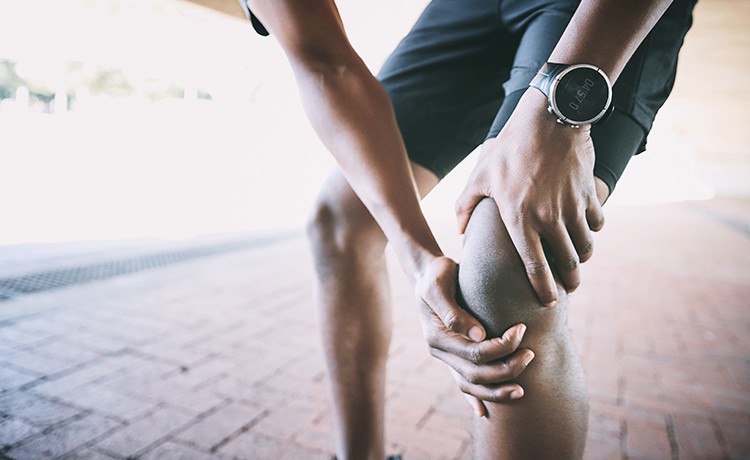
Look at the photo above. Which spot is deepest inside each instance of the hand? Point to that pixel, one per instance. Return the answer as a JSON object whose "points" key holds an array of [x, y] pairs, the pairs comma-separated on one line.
{"points": [[481, 368], [540, 174]]}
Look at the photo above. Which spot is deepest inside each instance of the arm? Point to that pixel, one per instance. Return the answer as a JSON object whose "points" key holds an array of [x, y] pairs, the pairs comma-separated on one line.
{"points": [[540, 172], [351, 113]]}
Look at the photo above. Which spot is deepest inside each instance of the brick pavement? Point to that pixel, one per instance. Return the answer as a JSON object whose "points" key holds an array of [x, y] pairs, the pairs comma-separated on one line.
{"points": [[218, 357]]}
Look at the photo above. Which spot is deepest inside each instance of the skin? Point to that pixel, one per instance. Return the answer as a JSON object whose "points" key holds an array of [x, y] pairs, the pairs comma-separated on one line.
{"points": [[352, 115], [374, 199], [539, 173]]}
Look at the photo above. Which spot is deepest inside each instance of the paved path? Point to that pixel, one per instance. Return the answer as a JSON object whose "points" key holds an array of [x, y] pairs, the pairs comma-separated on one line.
{"points": [[218, 357]]}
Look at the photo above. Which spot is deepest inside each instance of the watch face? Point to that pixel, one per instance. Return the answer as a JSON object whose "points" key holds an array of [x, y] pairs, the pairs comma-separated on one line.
{"points": [[582, 95]]}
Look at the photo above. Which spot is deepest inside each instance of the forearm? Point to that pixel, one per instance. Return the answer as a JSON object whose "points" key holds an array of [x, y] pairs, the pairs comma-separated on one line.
{"points": [[352, 115], [606, 33]]}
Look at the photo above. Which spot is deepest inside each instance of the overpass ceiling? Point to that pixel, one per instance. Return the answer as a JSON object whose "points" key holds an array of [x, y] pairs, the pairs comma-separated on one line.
{"points": [[230, 7]]}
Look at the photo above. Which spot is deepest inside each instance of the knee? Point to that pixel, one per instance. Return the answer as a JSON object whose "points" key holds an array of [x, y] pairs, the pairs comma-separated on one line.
{"points": [[493, 282], [341, 229]]}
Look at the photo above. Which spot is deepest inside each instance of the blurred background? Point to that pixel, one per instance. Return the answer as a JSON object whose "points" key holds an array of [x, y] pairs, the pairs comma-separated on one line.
{"points": [[169, 119], [142, 133]]}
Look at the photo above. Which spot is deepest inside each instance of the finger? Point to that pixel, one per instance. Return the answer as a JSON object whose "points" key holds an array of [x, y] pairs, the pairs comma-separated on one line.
{"points": [[477, 353], [582, 238], [476, 394], [565, 257], [440, 297], [465, 205], [494, 373], [529, 247], [595, 215], [498, 394], [476, 405], [455, 318]]}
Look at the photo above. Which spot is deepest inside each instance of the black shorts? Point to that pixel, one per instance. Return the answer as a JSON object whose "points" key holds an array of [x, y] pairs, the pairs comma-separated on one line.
{"points": [[456, 77]]}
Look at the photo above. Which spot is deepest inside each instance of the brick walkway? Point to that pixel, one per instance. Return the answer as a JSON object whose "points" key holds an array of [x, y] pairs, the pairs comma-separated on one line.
{"points": [[218, 357]]}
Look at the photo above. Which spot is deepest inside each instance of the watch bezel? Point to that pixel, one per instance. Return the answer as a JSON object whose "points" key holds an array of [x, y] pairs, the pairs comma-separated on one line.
{"points": [[553, 91]]}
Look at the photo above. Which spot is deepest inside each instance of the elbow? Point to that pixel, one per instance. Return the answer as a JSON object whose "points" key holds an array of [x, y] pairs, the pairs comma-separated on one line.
{"points": [[325, 62]]}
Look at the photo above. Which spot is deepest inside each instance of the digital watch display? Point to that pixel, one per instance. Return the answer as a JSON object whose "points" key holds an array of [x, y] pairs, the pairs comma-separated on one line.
{"points": [[577, 94]]}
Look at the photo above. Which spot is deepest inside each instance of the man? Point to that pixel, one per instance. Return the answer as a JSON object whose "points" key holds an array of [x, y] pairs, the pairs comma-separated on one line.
{"points": [[551, 155]]}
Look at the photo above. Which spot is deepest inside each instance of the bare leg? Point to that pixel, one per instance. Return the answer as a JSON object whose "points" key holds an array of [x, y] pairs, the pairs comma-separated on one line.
{"points": [[354, 305], [551, 420]]}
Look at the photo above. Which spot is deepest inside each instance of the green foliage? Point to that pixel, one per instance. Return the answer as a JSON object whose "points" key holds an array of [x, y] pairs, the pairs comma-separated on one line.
{"points": [[77, 76], [110, 81], [9, 79]]}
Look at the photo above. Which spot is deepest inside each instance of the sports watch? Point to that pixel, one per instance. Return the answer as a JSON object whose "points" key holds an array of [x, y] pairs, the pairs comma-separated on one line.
{"points": [[577, 94]]}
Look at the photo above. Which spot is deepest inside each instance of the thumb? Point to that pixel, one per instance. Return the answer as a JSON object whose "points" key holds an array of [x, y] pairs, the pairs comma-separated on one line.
{"points": [[439, 293], [476, 405], [460, 321], [465, 205]]}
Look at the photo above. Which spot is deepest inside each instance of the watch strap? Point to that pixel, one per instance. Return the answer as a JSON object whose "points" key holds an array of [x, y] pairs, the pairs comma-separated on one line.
{"points": [[546, 75]]}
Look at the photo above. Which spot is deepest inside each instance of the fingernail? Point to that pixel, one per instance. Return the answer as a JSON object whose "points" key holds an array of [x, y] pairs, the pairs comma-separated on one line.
{"points": [[551, 304], [476, 334], [529, 357], [516, 394], [521, 331]]}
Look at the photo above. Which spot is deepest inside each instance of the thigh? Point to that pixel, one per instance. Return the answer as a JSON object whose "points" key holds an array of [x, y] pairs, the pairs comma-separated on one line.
{"points": [[539, 30], [445, 80]]}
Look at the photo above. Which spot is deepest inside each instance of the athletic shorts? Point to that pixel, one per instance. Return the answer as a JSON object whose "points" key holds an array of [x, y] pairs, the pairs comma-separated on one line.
{"points": [[457, 76], [459, 73]]}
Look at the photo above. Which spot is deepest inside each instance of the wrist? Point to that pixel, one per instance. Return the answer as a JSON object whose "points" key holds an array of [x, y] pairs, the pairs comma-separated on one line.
{"points": [[416, 255], [535, 107], [577, 94]]}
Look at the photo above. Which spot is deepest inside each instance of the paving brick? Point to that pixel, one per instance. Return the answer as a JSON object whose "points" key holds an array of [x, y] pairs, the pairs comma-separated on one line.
{"points": [[697, 438], [174, 451], [84, 453], [646, 439], [409, 409], [12, 378], [6, 349], [199, 372], [80, 376], [294, 452], [94, 341], [604, 425], [298, 385], [317, 436], [63, 350], [220, 425], [48, 325], [36, 362], [252, 445], [598, 449], [420, 444], [441, 423], [650, 353], [106, 402], [733, 430], [239, 390], [35, 409], [180, 396], [64, 438], [135, 437], [13, 430], [288, 419], [15, 338]]}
